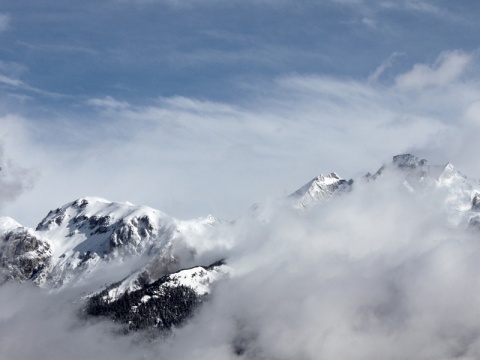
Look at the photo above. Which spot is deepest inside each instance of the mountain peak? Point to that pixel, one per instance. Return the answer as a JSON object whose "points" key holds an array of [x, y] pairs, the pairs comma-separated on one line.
{"points": [[7, 224], [409, 161], [319, 188]]}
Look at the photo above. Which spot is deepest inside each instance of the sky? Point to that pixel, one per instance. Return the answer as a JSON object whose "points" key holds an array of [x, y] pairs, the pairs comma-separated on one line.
{"points": [[207, 107]]}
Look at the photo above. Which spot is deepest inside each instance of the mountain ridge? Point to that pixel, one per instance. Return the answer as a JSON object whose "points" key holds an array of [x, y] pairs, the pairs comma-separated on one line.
{"points": [[76, 242]]}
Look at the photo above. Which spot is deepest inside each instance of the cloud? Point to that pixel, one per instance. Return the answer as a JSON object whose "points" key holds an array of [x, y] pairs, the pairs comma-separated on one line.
{"points": [[380, 70], [184, 155], [299, 118], [17, 84], [12, 68], [427, 7], [447, 68], [27, 312], [108, 102], [11, 82], [189, 4], [378, 268], [14, 179]]}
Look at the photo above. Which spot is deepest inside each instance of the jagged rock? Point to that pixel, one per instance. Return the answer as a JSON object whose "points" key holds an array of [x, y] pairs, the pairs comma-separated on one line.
{"points": [[23, 255], [409, 161]]}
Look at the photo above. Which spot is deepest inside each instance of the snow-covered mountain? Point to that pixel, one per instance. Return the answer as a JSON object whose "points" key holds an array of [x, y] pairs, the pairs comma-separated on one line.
{"points": [[75, 240], [160, 304], [144, 268], [453, 189], [321, 188]]}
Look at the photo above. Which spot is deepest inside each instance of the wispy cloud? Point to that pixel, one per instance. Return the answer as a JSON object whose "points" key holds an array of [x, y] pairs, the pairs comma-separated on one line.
{"points": [[430, 8], [447, 68], [380, 70], [17, 84], [59, 48], [108, 102], [4, 22]]}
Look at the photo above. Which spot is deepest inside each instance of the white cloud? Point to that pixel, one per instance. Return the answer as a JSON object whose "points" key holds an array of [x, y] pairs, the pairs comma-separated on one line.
{"points": [[447, 69], [186, 156], [369, 22], [108, 102], [377, 267], [430, 8], [13, 83], [380, 70], [472, 114]]}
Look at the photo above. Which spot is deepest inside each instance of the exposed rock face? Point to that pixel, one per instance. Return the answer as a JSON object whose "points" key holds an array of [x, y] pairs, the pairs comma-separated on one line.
{"points": [[409, 161], [90, 217], [92, 231], [23, 255]]}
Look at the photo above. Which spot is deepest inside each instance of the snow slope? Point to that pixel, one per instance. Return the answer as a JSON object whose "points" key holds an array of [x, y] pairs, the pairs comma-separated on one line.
{"points": [[321, 188]]}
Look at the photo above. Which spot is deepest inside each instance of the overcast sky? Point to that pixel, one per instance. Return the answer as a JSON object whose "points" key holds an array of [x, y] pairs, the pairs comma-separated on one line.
{"points": [[206, 107]]}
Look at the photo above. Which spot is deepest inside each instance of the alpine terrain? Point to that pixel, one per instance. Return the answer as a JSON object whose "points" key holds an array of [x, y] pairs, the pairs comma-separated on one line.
{"points": [[141, 268]]}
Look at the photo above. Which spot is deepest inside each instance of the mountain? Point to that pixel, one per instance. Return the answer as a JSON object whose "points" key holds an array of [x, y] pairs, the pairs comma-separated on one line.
{"points": [[134, 250], [459, 194], [161, 304], [321, 188], [73, 241], [24, 255], [145, 269]]}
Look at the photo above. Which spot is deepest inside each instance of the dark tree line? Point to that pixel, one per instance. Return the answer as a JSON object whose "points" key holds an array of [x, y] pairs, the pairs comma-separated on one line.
{"points": [[167, 306]]}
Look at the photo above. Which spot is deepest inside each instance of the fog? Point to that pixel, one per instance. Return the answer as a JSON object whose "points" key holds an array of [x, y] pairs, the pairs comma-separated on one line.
{"points": [[380, 272], [375, 274], [14, 179]]}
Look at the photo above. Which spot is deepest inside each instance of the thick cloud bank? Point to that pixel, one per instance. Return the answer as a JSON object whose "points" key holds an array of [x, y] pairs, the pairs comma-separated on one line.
{"points": [[378, 273], [384, 271]]}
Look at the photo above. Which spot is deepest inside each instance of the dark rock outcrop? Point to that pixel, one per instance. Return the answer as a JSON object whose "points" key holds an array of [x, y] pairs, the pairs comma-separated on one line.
{"points": [[23, 256]]}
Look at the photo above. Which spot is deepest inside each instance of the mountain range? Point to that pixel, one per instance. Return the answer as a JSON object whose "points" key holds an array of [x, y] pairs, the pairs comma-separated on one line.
{"points": [[142, 268]]}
